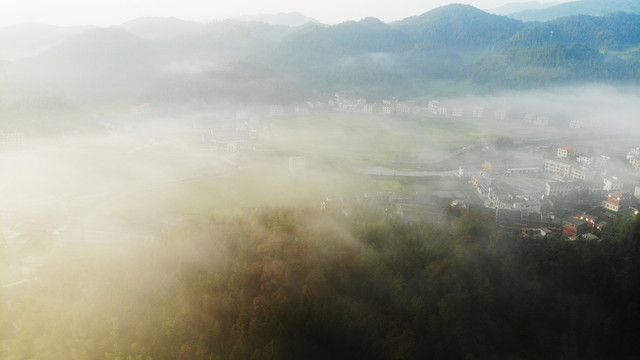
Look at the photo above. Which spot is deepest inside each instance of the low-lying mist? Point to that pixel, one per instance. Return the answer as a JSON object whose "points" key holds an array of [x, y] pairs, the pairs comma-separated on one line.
{"points": [[213, 162], [197, 217]]}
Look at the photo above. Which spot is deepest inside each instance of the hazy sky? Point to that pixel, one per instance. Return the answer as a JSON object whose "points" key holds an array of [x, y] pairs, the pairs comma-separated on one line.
{"points": [[114, 12]]}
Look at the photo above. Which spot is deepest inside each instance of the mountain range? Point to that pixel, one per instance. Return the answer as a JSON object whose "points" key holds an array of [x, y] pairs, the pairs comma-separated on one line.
{"points": [[582, 7], [24, 40], [286, 19], [172, 60], [512, 8]]}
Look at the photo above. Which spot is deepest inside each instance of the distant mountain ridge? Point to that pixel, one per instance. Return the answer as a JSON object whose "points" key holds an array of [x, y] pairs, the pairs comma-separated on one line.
{"points": [[458, 25], [578, 48], [109, 61], [284, 19], [581, 7], [30, 39], [156, 59], [512, 8], [612, 32], [156, 28]]}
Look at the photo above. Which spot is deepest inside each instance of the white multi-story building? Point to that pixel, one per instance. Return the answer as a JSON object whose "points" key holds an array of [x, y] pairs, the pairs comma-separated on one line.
{"points": [[592, 187], [527, 205], [602, 161], [560, 188], [14, 138], [276, 110], [613, 183], [579, 172], [584, 160], [403, 108], [297, 164], [576, 124], [618, 200], [559, 168], [242, 115], [434, 105], [565, 152], [523, 171], [468, 172], [303, 110], [481, 180], [541, 121]]}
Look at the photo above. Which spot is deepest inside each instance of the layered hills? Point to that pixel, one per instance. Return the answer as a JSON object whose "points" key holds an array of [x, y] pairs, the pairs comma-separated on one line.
{"points": [[581, 7], [457, 45]]}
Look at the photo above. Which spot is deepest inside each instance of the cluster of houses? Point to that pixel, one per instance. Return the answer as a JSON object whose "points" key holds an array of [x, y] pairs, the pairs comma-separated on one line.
{"points": [[11, 138], [634, 158], [341, 103], [240, 133], [536, 120], [409, 205], [517, 185], [344, 104]]}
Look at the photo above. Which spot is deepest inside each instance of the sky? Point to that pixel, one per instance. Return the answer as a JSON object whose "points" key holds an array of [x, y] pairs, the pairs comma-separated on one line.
{"points": [[115, 12]]}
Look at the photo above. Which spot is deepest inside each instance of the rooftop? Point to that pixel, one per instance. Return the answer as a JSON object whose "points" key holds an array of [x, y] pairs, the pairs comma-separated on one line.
{"points": [[575, 222], [520, 186]]}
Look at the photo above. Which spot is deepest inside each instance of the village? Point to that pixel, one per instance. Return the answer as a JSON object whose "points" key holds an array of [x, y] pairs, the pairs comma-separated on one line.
{"points": [[534, 185], [530, 187], [528, 196], [571, 194]]}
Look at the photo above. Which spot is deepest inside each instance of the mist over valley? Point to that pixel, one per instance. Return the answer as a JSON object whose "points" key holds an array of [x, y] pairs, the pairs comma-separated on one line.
{"points": [[456, 184]]}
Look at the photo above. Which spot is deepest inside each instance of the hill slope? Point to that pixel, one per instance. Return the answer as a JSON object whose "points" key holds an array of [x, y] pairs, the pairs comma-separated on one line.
{"points": [[459, 26], [26, 40], [512, 8], [156, 28], [612, 32], [96, 63], [582, 7], [283, 19], [176, 60], [572, 49]]}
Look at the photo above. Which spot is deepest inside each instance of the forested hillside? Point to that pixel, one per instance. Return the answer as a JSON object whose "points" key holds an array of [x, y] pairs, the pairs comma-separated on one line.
{"points": [[573, 49], [298, 283], [584, 7], [459, 26], [607, 33], [154, 60]]}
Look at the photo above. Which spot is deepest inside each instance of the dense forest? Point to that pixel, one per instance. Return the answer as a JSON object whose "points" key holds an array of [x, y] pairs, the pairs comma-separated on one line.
{"points": [[586, 7], [579, 48], [291, 283]]}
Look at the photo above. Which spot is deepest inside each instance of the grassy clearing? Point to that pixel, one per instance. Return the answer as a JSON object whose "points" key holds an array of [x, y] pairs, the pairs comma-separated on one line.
{"points": [[377, 136]]}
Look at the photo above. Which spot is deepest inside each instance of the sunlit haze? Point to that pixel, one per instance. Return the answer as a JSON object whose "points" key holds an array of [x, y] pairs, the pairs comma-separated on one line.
{"points": [[412, 179], [105, 13]]}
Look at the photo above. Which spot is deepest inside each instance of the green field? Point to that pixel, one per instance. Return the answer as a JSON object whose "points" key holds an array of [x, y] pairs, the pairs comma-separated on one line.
{"points": [[357, 136]]}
